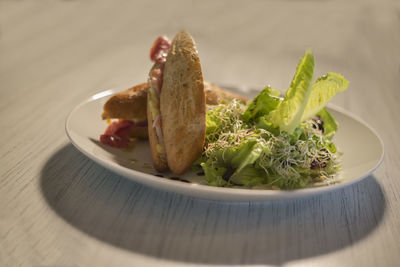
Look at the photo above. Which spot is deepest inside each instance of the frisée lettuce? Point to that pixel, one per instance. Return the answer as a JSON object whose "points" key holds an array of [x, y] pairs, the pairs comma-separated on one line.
{"points": [[275, 142]]}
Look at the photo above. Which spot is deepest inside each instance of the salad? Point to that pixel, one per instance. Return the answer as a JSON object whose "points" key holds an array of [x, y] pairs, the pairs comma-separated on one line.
{"points": [[275, 142]]}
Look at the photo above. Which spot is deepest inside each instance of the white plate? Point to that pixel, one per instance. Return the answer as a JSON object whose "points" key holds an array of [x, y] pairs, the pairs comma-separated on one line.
{"points": [[361, 146]]}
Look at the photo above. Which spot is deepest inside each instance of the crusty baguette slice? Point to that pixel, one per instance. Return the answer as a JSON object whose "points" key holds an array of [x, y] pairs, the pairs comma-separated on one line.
{"points": [[129, 104], [215, 95], [182, 104]]}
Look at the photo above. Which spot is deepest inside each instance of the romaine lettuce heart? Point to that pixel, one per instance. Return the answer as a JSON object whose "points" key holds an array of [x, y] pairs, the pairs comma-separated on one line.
{"points": [[289, 112]]}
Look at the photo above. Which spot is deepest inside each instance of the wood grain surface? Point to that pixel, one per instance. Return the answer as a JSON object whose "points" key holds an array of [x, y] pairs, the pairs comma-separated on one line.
{"points": [[60, 209]]}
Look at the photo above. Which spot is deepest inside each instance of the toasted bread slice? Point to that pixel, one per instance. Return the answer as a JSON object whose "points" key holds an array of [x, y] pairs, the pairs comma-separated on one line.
{"points": [[129, 104], [216, 95], [182, 104]]}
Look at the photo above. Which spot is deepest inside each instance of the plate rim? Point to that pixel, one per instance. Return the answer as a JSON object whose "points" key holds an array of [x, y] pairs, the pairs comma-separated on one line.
{"points": [[217, 193]]}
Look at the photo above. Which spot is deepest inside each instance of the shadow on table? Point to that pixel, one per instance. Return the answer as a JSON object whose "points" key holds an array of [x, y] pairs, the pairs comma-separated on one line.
{"points": [[174, 227]]}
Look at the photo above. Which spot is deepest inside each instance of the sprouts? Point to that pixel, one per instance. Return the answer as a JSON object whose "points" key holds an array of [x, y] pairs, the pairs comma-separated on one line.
{"points": [[287, 160]]}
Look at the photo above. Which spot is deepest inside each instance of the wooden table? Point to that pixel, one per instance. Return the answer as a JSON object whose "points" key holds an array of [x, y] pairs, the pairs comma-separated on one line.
{"points": [[58, 208]]}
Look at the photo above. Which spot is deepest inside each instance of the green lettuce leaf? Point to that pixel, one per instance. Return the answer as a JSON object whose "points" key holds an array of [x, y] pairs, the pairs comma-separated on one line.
{"points": [[323, 90], [214, 174], [262, 105], [226, 165], [289, 112], [330, 125], [265, 123], [249, 177], [246, 155]]}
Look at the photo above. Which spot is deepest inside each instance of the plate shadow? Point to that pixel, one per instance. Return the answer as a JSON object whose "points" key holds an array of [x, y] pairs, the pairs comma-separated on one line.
{"points": [[174, 227]]}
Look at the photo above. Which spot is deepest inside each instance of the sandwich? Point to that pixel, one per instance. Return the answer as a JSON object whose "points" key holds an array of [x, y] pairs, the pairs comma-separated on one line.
{"points": [[128, 104], [132, 103], [171, 103], [126, 112], [176, 106]]}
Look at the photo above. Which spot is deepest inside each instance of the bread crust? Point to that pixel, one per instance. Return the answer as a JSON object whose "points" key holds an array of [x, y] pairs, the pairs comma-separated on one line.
{"points": [[182, 104], [129, 104], [216, 95]]}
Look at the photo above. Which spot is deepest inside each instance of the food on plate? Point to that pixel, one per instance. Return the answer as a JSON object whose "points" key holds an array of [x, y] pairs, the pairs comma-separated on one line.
{"points": [[131, 105], [121, 133], [216, 95], [127, 110], [274, 142], [271, 142], [176, 107]]}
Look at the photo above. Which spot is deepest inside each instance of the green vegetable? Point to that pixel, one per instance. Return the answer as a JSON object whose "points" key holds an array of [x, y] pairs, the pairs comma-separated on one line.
{"points": [[330, 125], [274, 142], [224, 118], [262, 105], [246, 155], [303, 99], [249, 177], [214, 174], [289, 112], [264, 123], [323, 90]]}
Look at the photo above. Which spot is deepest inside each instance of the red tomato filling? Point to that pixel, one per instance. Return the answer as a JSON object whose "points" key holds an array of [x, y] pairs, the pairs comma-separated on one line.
{"points": [[118, 133]]}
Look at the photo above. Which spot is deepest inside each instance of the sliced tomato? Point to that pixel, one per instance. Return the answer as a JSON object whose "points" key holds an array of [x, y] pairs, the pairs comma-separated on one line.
{"points": [[118, 133], [159, 50]]}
